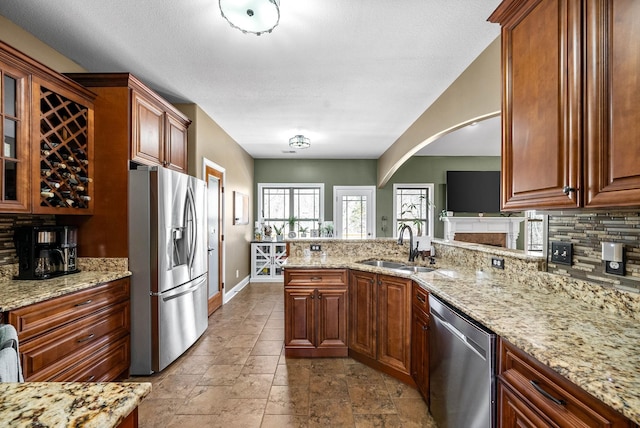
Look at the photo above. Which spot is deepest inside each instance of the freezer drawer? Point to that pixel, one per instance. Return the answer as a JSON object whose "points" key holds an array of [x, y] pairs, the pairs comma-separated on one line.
{"points": [[182, 318]]}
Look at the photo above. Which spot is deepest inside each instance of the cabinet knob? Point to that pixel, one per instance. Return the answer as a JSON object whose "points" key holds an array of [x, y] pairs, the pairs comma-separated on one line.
{"points": [[566, 190]]}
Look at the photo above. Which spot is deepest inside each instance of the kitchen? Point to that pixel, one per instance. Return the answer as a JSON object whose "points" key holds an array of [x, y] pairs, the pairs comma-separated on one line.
{"points": [[236, 235]]}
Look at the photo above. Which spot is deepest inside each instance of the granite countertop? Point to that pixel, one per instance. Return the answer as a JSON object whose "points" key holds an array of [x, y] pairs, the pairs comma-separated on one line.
{"points": [[69, 404], [19, 293], [596, 349]]}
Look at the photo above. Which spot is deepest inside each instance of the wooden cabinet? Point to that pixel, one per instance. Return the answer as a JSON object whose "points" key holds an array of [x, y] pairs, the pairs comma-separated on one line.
{"points": [[380, 322], [363, 295], [159, 136], [420, 340], [14, 125], [570, 91], [46, 123], [315, 305], [267, 261], [530, 394], [394, 322], [132, 123], [82, 336]]}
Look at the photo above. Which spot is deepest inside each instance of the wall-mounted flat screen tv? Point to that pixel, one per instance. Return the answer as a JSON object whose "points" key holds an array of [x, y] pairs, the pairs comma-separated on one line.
{"points": [[473, 191]]}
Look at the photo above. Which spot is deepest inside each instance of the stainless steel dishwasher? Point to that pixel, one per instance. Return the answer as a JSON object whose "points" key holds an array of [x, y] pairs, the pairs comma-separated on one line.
{"points": [[461, 369]]}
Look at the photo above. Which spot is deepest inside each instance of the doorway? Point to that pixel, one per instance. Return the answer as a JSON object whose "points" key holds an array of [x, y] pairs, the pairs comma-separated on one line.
{"points": [[214, 177], [354, 211]]}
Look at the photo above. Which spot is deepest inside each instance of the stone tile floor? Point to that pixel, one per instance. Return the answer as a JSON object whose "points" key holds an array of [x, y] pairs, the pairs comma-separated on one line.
{"points": [[236, 375]]}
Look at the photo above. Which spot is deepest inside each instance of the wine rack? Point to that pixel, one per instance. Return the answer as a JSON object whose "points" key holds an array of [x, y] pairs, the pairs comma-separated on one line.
{"points": [[65, 167]]}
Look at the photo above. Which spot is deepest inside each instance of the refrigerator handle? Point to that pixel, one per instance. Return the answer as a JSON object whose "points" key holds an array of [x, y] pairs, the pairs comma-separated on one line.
{"points": [[193, 227]]}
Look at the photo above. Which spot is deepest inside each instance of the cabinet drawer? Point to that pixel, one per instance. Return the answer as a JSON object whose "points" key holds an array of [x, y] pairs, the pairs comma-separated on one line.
{"points": [[317, 276], [103, 366], [420, 298], [48, 351], [36, 319], [553, 396]]}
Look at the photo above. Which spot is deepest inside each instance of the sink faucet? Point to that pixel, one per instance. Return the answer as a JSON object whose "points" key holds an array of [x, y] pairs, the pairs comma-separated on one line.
{"points": [[413, 252]]}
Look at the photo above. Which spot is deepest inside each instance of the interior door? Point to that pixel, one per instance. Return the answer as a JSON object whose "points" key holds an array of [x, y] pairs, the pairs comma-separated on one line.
{"points": [[214, 237]]}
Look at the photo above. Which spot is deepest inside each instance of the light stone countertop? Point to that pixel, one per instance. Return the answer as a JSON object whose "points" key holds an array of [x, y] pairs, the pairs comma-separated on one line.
{"points": [[69, 404], [597, 349], [19, 293]]}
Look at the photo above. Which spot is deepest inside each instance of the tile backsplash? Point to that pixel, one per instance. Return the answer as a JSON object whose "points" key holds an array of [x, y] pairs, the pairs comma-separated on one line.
{"points": [[8, 223], [586, 231]]}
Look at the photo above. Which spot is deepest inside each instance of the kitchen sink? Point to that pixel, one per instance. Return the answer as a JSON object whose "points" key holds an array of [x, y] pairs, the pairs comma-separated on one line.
{"points": [[382, 263], [400, 267], [415, 269]]}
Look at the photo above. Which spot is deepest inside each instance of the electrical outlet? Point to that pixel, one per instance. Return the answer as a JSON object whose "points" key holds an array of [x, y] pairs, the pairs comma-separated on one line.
{"points": [[562, 253], [315, 247], [497, 263]]}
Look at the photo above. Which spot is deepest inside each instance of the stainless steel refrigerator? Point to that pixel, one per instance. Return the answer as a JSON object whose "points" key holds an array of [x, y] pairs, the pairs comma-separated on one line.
{"points": [[168, 261]]}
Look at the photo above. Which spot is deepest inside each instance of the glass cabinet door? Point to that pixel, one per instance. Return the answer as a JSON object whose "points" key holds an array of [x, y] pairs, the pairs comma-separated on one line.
{"points": [[14, 157]]}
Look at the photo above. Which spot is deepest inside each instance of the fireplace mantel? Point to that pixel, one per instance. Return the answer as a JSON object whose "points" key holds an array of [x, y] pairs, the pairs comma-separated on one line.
{"points": [[508, 225]]}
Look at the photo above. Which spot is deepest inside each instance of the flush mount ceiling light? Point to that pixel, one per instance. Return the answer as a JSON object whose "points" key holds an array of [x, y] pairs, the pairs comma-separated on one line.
{"points": [[299, 142], [251, 16]]}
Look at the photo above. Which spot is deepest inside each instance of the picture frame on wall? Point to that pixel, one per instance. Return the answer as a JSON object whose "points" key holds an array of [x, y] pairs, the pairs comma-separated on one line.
{"points": [[240, 208]]}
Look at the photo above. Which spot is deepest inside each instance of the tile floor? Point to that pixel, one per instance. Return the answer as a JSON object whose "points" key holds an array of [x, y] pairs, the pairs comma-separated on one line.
{"points": [[236, 375]]}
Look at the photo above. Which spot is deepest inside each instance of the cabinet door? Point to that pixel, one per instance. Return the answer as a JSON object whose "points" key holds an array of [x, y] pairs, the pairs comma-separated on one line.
{"points": [[612, 100], [299, 320], [176, 146], [420, 351], [332, 317], [541, 105], [513, 412], [363, 292], [148, 132], [394, 322], [14, 129]]}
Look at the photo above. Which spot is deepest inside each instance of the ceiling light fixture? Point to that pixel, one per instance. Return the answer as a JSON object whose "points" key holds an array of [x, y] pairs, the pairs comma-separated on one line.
{"points": [[299, 142], [251, 16]]}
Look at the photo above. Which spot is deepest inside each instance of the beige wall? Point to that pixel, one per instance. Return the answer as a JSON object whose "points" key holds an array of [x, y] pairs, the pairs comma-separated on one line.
{"points": [[25, 42], [208, 141], [474, 95]]}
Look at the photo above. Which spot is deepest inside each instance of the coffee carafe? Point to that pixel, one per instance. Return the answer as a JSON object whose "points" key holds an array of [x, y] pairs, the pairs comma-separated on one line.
{"points": [[68, 243]]}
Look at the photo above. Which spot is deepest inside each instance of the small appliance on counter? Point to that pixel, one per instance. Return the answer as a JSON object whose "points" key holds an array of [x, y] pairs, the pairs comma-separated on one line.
{"points": [[46, 251]]}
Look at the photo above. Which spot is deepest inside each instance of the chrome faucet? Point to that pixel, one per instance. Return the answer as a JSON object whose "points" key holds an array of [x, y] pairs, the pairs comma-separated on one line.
{"points": [[413, 252]]}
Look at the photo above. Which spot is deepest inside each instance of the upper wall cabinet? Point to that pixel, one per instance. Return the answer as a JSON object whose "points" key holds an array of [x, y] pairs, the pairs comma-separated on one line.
{"points": [[158, 131], [46, 123], [159, 135], [571, 125], [14, 124]]}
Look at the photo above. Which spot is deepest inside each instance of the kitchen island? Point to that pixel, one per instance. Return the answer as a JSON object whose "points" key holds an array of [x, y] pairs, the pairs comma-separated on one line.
{"points": [[590, 336], [71, 404]]}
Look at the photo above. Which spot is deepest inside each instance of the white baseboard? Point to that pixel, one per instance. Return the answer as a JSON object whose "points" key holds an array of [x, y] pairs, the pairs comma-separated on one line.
{"points": [[228, 295]]}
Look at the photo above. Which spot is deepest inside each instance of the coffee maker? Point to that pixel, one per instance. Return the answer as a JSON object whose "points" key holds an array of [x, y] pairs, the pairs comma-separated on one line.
{"points": [[45, 251]]}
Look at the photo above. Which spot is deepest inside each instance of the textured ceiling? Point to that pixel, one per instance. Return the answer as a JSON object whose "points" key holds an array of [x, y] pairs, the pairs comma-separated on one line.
{"points": [[351, 75]]}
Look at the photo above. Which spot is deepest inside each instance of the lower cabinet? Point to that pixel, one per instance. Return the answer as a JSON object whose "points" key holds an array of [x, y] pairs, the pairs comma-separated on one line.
{"points": [[530, 394], [315, 305], [420, 340], [380, 322], [78, 337]]}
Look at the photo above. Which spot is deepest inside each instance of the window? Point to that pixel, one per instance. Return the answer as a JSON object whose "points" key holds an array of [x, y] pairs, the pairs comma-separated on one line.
{"points": [[279, 202], [413, 206]]}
